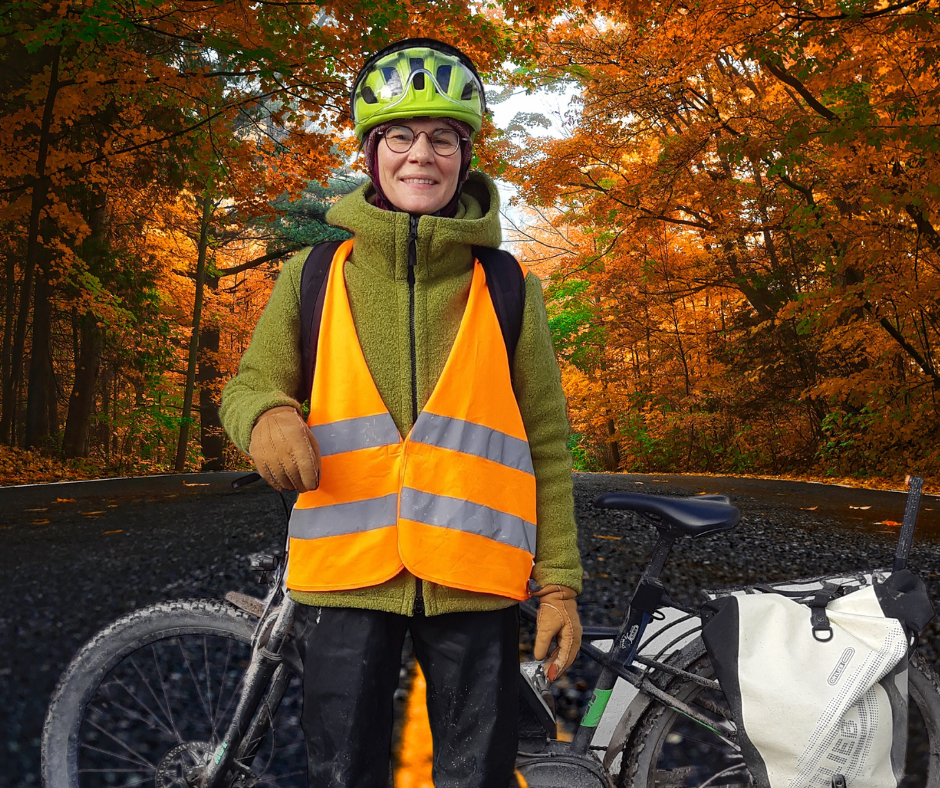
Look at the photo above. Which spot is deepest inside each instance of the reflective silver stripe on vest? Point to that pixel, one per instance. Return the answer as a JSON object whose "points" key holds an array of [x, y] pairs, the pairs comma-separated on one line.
{"points": [[467, 516], [344, 518], [475, 439], [363, 432]]}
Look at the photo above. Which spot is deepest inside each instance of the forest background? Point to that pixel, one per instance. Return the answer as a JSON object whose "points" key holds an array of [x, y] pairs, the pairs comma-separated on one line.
{"points": [[736, 219]]}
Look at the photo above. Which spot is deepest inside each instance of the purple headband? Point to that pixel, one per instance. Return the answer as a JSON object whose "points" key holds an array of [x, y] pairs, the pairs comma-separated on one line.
{"points": [[370, 150]]}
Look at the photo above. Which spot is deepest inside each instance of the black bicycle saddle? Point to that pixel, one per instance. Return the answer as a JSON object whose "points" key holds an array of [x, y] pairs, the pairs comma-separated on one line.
{"points": [[695, 515]]}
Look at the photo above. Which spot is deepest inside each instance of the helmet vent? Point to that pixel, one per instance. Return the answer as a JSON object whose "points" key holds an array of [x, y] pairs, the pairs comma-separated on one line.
{"points": [[368, 95], [443, 77], [468, 90], [418, 81], [416, 63], [392, 81]]}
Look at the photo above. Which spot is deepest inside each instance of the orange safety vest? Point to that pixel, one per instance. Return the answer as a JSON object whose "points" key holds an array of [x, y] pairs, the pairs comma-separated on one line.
{"points": [[454, 502]]}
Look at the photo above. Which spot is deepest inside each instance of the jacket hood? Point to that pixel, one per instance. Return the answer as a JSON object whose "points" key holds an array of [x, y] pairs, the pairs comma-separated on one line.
{"points": [[443, 245]]}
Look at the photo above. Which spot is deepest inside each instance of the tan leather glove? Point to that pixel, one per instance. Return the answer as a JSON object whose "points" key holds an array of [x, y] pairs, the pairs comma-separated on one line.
{"points": [[284, 450], [557, 618]]}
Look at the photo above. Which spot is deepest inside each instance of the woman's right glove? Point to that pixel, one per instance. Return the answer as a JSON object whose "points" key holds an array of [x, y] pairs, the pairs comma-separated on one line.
{"points": [[284, 450]]}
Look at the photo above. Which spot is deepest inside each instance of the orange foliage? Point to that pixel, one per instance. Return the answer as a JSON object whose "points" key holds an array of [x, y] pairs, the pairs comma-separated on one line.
{"points": [[753, 283], [122, 122]]}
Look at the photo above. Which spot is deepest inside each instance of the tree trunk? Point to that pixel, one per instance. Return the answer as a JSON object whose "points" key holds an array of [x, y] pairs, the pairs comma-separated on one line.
{"points": [[88, 354], [11, 384], [211, 435], [9, 308], [194, 338], [82, 399], [41, 411], [104, 415], [613, 446]]}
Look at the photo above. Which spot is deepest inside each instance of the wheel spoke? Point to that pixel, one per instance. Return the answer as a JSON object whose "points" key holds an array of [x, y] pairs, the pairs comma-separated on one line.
{"points": [[169, 711], [217, 718], [134, 715], [192, 675], [275, 781], [109, 771], [172, 729], [712, 745], [729, 770], [144, 706], [136, 759], [232, 697], [205, 656]]}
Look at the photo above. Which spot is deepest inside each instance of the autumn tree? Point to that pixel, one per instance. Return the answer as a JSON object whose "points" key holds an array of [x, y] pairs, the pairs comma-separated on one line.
{"points": [[131, 127], [757, 189]]}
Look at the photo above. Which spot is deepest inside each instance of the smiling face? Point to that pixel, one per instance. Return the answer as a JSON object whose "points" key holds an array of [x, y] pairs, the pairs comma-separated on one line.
{"points": [[419, 181]]}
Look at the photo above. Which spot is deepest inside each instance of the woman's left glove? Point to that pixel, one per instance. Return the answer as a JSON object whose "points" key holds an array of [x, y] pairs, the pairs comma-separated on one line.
{"points": [[284, 450], [557, 618]]}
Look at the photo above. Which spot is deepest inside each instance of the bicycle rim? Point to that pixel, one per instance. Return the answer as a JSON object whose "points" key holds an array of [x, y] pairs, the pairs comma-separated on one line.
{"points": [[153, 711], [669, 750]]}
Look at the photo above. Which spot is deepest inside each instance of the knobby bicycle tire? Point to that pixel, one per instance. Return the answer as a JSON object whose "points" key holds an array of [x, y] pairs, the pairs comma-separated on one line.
{"points": [[667, 749], [148, 697]]}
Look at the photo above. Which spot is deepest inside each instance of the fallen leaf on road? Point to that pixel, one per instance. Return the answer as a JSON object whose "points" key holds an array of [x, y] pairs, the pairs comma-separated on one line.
{"points": [[39, 522], [65, 500], [601, 536], [90, 513], [809, 508], [890, 523], [195, 484], [118, 531], [859, 507]]}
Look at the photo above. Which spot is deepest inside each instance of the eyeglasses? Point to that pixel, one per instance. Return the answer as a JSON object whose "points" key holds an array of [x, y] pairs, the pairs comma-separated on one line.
{"points": [[400, 139]]}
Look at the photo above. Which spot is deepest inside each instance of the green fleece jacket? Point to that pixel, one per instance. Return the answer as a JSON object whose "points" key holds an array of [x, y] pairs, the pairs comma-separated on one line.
{"points": [[377, 282]]}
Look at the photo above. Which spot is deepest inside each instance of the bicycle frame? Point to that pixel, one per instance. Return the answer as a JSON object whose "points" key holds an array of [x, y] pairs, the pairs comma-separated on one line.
{"points": [[246, 730], [649, 597]]}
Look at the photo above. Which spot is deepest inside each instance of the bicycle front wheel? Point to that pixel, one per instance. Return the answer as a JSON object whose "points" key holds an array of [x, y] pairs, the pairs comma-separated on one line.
{"points": [[668, 750], [147, 700]]}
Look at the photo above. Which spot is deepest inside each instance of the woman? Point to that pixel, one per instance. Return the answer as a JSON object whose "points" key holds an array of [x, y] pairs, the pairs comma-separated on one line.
{"points": [[446, 487]]}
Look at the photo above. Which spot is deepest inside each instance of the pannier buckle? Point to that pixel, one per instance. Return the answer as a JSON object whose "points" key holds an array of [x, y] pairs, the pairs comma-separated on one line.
{"points": [[820, 620]]}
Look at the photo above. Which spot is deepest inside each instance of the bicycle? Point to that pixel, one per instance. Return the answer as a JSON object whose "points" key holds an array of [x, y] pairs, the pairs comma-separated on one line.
{"points": [[207, 692]]}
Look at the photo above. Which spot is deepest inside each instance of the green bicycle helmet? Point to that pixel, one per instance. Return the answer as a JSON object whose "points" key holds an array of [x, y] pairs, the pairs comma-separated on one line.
{"points": [[415, 78]]}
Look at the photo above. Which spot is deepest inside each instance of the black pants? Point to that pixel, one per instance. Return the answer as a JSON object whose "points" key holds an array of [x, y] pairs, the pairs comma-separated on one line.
{"points": [[351, 669]]}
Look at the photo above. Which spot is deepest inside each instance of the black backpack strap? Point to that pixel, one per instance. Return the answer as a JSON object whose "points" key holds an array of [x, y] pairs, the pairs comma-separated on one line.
{"points": [[312, 291], [505, 280]]}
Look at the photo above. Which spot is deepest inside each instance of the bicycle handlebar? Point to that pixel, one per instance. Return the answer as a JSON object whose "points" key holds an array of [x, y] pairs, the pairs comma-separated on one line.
{"points": [[244, 481]]}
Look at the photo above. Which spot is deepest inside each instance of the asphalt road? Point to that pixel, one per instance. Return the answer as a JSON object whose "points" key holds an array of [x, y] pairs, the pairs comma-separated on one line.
{"points": [[75, 556]]}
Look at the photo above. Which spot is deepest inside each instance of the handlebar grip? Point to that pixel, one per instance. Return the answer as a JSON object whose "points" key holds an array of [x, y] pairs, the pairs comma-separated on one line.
{"points": [[244, 481]]}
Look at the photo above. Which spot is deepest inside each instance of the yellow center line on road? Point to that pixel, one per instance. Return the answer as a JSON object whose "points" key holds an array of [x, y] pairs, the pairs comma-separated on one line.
{"points": [[415, 750]]}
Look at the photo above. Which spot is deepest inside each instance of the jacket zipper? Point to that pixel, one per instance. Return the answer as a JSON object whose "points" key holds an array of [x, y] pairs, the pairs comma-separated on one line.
{"points": [[412, 262]]}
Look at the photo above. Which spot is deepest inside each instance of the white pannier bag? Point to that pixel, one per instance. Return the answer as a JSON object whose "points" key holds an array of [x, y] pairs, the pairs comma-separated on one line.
{"points": [[818, 690]]}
